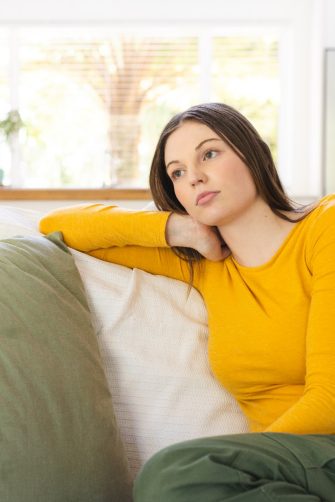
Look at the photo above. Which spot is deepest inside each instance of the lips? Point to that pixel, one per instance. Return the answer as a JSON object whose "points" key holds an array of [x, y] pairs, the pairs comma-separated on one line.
{"points": [[205, 197]]}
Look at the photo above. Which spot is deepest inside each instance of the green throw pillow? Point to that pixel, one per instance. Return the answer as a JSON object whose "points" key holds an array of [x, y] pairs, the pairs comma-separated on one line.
{"points": [[58, 436]]}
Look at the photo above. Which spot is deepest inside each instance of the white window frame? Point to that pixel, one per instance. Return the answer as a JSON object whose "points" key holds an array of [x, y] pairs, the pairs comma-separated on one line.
{"points": [[301, 23]]}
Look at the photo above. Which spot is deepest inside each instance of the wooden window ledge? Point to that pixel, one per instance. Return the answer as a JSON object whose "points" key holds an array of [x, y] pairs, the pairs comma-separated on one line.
{"points": [[74, 194]]}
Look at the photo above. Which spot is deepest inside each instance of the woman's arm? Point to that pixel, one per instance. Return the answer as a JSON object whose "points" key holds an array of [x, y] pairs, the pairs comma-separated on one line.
{"points": [[97, 226], [138, 239], [314, 411]]}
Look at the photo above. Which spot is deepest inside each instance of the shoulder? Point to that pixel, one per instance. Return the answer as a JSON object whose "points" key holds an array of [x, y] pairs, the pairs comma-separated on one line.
{"points": [[319, 226], [322, 213], [326, 203], [314, 218]]}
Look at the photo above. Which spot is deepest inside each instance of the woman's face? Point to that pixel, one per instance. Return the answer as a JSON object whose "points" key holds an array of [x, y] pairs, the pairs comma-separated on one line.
{"points": [[210, 180]]}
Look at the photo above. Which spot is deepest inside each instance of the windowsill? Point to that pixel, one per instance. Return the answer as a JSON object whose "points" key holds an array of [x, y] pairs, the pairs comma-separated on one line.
{"points": [[74, 194]]}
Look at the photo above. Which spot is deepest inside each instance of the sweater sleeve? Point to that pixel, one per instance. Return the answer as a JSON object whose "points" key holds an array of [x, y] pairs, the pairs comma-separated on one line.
{"points": [[314, 413], [135, 239]]}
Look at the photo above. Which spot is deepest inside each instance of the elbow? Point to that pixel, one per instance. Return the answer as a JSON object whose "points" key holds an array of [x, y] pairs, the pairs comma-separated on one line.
{"points": [[47, 225], [43, 225]]}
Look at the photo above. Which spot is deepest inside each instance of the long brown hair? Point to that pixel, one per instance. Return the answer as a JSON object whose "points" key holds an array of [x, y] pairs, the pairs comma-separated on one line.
{"points": [[240, 134]]}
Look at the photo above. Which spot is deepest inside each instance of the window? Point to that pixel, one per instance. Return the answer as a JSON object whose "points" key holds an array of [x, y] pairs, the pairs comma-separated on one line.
{"points": [[93, 101], [5, 159]]}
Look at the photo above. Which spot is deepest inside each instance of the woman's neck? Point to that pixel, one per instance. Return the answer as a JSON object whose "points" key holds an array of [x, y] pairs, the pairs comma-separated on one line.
{"points": [[256, 236]]}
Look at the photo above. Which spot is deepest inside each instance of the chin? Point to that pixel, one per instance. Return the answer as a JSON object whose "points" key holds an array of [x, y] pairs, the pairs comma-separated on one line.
{"points": [[210, 220]]}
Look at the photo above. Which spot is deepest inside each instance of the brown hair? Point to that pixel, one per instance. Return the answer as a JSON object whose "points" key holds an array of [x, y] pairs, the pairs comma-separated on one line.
{"points": [[240, 134]]}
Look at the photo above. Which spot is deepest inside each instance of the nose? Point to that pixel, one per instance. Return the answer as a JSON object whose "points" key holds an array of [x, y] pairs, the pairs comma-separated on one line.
{"points": [[197, 176]]}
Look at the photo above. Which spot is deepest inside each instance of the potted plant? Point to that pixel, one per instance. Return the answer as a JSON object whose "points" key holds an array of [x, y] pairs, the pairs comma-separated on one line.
{"points": [[10, 128]]}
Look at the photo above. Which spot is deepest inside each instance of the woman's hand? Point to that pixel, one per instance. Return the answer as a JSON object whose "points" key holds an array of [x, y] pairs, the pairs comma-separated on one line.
{"points": [[184, 231]]}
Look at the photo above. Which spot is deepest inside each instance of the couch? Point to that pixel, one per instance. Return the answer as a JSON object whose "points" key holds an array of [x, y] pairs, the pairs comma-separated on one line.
{"points": [[152, 340]]}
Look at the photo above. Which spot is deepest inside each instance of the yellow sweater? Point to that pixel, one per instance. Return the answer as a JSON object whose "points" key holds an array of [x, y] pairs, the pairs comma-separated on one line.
{"points": [[272, 327]]}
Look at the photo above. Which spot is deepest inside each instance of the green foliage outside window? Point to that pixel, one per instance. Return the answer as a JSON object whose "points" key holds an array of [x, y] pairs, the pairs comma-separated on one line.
{"points": [[95, 105]]}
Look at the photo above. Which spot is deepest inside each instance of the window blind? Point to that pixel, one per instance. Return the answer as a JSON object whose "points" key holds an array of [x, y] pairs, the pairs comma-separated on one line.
{"points": [[94, 101]]}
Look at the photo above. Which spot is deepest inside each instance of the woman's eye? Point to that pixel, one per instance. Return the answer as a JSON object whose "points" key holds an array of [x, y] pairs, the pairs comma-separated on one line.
{"points": [[177, 173], [210, 154]]}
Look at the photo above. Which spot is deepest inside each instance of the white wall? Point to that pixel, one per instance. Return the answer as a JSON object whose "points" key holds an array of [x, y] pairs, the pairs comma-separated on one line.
{"points": [[329, 37], [128, 10], [309, 23]]}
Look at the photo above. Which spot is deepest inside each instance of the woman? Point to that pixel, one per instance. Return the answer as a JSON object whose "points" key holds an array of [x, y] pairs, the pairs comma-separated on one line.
{"points": [[266, 271]]}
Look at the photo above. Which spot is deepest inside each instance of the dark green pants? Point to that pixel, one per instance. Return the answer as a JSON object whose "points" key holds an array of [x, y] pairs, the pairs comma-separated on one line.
{"points": [[264, 467]]}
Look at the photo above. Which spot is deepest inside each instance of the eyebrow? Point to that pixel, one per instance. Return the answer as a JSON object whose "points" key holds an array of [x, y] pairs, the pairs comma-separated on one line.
{"points": [[196, 148]]}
